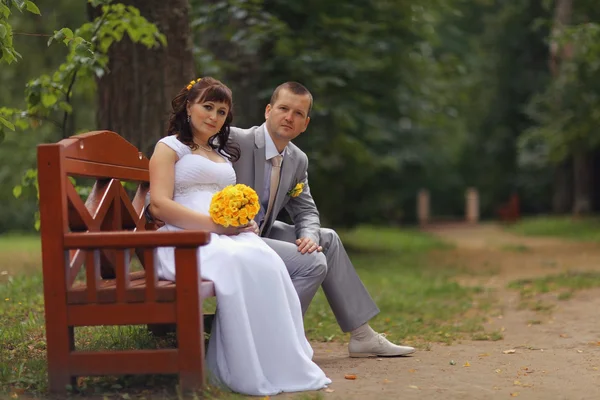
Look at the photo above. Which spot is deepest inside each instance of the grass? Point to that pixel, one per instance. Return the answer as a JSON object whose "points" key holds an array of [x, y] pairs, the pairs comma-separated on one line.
{"points": [[419, 303], [579, 229], [564, 284]]}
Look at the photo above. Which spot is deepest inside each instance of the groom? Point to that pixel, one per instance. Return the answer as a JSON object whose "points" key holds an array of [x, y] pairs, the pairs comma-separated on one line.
{"points": [[314, 256]]}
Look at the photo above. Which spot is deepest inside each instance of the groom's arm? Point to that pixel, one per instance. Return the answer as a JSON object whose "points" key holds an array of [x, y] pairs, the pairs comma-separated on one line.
{"points": [[303, 210]]}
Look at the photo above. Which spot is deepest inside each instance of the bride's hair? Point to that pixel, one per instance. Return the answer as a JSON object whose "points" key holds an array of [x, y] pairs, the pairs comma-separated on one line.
{"points": [[200, 91]]}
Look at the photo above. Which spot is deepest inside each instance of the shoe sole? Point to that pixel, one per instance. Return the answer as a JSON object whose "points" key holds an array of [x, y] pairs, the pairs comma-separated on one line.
{"points": [[368, 355]]}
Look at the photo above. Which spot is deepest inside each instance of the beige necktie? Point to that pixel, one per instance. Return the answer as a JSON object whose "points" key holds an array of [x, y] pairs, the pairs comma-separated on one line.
{"points": [[275, 173]]}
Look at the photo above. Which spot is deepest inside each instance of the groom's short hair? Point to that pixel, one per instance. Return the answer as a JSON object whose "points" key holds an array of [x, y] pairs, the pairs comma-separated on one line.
{"points": [[294, 87]]}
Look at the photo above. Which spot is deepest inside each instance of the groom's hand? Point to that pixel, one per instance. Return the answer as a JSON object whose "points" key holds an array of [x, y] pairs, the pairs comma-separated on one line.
{"points": [[307, 245]]}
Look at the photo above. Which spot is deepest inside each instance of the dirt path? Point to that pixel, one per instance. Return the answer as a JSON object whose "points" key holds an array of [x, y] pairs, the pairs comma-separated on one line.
{"points": [[552, 356]]}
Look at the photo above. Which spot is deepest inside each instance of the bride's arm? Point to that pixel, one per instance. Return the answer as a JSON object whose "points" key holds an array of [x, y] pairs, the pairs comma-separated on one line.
{"points": [[162, 182]]}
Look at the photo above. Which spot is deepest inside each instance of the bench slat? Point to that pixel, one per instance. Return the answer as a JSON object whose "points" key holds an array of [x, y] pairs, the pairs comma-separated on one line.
{"points": [[124, 362], [121, 314], [124, 240]]}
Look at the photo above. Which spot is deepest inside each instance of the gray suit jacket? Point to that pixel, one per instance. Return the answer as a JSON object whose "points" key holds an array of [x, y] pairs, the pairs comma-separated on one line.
{"points": [[250, 170]]}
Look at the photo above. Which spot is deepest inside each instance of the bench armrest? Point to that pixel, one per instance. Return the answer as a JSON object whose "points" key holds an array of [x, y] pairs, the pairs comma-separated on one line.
{"points": [[128, 240]]}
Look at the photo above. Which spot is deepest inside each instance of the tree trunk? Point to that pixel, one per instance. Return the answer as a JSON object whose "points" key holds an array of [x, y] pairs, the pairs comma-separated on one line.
{"points": [[563, 188], [134, 97], [240, 67], [582, 173], [562, 196]]}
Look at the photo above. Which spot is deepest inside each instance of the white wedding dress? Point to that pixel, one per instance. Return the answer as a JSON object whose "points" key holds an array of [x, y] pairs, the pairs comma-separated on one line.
{"points": [[257, 345]]}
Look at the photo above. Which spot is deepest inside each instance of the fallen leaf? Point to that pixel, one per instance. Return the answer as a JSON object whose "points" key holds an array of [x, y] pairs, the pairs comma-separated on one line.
{"points": [[517, 383], [595, 368], [510, 351], [350, 377], [466, 364], [580, 351], [385, 381], [413, 387], [412, 371], [329, 390], [515, 394], [563, 335], [484, 355], [498, 371]]}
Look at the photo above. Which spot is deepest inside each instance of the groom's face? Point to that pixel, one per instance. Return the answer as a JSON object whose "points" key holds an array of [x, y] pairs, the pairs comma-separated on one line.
{"points": [[288, 116]]}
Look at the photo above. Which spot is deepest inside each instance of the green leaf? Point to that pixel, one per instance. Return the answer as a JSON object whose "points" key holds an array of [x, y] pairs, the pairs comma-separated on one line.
{"points": [[66, 107], [20, 4], [83, 50], [67, 32], [17, 190], [32, 8], [48, 100], [4, 11], [3, 31], [8, 124]]}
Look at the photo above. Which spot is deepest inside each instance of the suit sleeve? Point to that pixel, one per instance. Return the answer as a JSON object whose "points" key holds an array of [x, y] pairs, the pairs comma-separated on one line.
{"points": [[303, 211]]}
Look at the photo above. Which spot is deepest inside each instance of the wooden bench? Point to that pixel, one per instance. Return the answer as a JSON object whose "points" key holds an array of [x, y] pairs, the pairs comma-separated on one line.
{"points": [[510, 211], [87, 249]]}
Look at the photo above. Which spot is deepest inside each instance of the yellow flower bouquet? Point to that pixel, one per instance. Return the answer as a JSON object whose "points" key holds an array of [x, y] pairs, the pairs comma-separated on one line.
{"points": [[235, 205]]}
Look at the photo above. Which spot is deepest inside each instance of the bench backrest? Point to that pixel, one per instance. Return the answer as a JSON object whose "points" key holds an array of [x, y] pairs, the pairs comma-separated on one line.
{"points": [[108, 160]]}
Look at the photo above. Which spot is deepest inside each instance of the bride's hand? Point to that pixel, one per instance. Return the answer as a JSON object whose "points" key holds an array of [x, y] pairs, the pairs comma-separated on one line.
{"points": [[236, 230], [251, 227]]}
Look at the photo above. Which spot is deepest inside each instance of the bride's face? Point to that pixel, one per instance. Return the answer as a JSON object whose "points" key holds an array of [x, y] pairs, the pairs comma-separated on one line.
{"points": [[207, 118]]}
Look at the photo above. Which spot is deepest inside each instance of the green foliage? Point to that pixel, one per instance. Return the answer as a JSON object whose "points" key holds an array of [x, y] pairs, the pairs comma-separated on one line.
{"points": [[567, 112], [49, 97], [9, 54]]}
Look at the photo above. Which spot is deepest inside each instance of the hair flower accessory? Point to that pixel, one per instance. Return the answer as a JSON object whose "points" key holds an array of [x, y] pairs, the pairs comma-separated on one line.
{"points": [[295, 192], [192, 83]]}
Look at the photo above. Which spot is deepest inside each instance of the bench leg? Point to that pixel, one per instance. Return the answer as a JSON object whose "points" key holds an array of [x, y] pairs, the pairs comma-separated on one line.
{"points": [[59, 376]]}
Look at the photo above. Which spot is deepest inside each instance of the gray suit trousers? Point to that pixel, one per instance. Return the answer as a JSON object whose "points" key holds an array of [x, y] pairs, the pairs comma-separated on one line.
{"points": [[349, 300]]}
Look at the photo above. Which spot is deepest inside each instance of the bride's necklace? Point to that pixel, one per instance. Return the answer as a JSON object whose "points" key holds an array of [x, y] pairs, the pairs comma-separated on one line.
{"points": [[205, 147]]}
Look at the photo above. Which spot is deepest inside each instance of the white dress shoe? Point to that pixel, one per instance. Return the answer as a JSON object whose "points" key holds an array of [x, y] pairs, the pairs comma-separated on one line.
{"points": [[377, 346]]}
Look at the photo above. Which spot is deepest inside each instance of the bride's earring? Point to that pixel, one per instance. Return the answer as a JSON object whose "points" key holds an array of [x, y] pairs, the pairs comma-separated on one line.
{"points": [[189, 118]]}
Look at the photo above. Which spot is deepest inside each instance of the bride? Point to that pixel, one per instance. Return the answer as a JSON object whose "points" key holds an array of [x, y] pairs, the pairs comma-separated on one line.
{"points": [[257, 346]]}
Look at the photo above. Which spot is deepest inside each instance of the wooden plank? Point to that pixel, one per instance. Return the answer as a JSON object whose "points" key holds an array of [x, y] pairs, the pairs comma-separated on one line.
{"points": [[165, 292], [97, 170], [162, 361], [124, 240], [92, 277], [122, 269], [79, 216], [121, 314], [54, 223], [190, 337], [105, 147], [76, 257], [151, 278]]}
